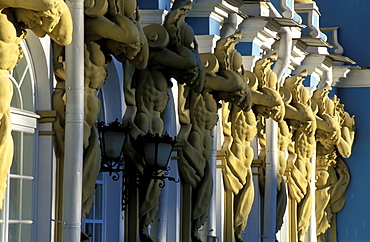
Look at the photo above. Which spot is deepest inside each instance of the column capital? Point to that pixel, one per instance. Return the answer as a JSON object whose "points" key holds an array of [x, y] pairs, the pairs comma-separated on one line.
{"points": [[258, 36], [152, 16], [317, 66], [206, 17]]}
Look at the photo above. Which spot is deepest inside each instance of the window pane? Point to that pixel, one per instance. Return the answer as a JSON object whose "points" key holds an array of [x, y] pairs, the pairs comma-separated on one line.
{"points": [[89, 229], [14, 200], [26, 232], [2, 215], [16, 218], [27, 93], [98, 201], [90, 215], [16, 99], [1, 230], [27, 191], [98, 233], [14, 232], [28, 154], [19, 70], [16, 165]]}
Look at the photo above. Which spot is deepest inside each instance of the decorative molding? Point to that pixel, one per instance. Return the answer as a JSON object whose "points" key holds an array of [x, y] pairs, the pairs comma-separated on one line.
{"points": [[48, 116], [289, 12], [47, 133], [313, 16], [338, 49]]}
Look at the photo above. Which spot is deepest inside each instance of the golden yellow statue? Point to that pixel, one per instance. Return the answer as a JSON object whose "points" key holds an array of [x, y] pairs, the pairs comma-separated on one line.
{"points": [[198, 116], [52, 18], [267, 100], [239, 127], [284, 140], [173, 53], [10, 52], [113, 33], [335, 136], [239, 130], [301, 117]]}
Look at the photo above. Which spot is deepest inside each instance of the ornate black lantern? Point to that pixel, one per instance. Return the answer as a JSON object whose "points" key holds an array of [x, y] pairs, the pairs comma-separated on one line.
{"points": [[156, 151], [112, 138]]}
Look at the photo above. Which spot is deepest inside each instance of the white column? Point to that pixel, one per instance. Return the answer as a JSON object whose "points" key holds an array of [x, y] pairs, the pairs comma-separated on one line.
{"points": [[270, 181], [253, 229], [72, 185], [211, 222]]}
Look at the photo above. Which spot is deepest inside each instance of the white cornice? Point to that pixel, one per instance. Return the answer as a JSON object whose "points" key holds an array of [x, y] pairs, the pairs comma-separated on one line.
{"points": [[357, 77], [339, 72]]}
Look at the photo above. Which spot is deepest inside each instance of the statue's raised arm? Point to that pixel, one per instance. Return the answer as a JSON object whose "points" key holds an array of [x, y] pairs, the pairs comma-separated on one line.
{"points": [[55, 21], [35, 5]]}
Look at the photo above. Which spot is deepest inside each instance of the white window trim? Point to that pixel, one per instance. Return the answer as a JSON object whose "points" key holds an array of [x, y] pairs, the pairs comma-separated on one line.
{"points": [[23, 121]]}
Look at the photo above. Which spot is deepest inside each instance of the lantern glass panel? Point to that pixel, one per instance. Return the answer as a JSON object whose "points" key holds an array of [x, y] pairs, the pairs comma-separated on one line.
{"points": [[113, 143], [164, 152], [149, 152]]}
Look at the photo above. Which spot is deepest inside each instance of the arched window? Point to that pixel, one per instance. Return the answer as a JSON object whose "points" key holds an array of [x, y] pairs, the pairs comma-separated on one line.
{"points": [[16, 218]]}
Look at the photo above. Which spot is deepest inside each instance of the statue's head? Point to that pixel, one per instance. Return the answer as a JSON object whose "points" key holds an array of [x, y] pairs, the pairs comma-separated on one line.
{"points": [[186, 35], [235, 60], [325, 105], [228, 57]]}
